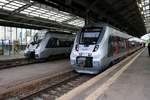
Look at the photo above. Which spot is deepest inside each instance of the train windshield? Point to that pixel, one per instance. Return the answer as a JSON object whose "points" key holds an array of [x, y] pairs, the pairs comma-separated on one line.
{"points": [[90, 35], [39, 36]]}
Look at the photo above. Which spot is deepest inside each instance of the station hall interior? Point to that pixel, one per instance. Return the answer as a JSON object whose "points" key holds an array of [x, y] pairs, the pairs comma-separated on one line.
{"points": [[74, 49]]}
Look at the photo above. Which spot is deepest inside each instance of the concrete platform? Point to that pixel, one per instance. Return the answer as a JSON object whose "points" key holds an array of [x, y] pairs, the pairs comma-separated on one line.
{"points": [[18, 75], [11, 57], [134, 83], [130, 82]]}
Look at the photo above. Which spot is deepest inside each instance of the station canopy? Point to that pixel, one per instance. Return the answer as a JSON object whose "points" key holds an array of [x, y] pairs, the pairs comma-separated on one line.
{"points": [[33, 9], [144, 7]]}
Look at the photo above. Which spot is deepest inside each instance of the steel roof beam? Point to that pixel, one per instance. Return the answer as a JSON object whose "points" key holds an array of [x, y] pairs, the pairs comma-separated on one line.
{"points": [[33, 20], [22, 8]]}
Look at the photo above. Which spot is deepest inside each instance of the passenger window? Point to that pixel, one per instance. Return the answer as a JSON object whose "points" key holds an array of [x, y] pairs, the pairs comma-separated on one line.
{"points": [[117, 46], [122, 45], [52, 43], [65, 43], [58, 43]]}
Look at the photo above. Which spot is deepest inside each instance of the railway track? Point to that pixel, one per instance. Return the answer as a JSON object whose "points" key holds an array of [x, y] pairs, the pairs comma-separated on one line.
{"points": [[49, 87], [16, 62], [24, 61], [60, 87]]}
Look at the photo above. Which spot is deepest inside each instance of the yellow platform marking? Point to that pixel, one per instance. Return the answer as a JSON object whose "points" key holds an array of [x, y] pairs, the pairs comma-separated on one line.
{"points": [[98, 92], [84, 86]]}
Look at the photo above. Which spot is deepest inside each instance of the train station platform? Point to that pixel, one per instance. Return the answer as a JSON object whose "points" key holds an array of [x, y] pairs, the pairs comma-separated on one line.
{"points": [[12, 57], [130, 82]]}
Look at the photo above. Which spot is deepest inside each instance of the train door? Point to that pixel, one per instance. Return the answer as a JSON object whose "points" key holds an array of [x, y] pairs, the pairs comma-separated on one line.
{"points": [[117, 49], [121, 44], [127, 46], [110, 46]]}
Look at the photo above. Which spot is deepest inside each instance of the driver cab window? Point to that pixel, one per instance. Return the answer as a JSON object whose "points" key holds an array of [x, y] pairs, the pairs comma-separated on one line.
{"points": [[90, 35]]}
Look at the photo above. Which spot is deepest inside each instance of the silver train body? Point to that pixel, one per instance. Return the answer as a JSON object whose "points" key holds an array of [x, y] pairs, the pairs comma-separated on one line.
{"points": [[48, 43], [95, 48]]}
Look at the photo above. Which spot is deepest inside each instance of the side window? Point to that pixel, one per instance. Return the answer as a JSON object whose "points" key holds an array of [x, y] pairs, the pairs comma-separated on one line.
{"points": [[62, 43], [117, 46], [57, 42], [124, 44], [121, 45], [65, 43], [127, 44], [52, 43], [120, 42]]}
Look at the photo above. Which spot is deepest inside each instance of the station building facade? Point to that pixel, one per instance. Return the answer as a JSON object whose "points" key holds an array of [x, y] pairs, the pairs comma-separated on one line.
{"points": [[12, 36]]}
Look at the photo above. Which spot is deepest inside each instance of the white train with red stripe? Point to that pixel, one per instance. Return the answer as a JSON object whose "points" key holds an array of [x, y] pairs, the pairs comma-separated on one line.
{"points": [[96, 46]]}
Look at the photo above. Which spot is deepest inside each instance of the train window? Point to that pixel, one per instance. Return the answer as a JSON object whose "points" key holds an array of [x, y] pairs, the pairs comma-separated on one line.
{"points": [[120, 45], [123, 45], [52, 43], [63, 43], [117, 45], [90, 35], [58, 42], [92, 29], [127, 45]]}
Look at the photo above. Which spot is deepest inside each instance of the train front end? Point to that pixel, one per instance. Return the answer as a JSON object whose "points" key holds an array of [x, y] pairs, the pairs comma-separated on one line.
{"points": [[34, 47], [30, 50], [87, 53]]}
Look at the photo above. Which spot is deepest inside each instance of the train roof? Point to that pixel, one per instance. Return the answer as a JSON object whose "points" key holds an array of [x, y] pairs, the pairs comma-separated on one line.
{"points": [[60, 32], [100, 25], [120, 33], [57, 32], [136, 39], [117, 32]]}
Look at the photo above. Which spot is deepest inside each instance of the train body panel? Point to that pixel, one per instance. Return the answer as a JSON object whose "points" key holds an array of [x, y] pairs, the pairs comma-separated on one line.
{"points": [[95, 47]]}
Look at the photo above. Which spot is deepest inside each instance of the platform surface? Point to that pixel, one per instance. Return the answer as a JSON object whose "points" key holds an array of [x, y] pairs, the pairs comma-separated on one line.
{"points": [[11, 57], [17, 75], [132, 84]]}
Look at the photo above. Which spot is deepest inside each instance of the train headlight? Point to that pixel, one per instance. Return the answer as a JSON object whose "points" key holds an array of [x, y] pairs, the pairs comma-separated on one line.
{"points": [[96, 48], [77, 47]]}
